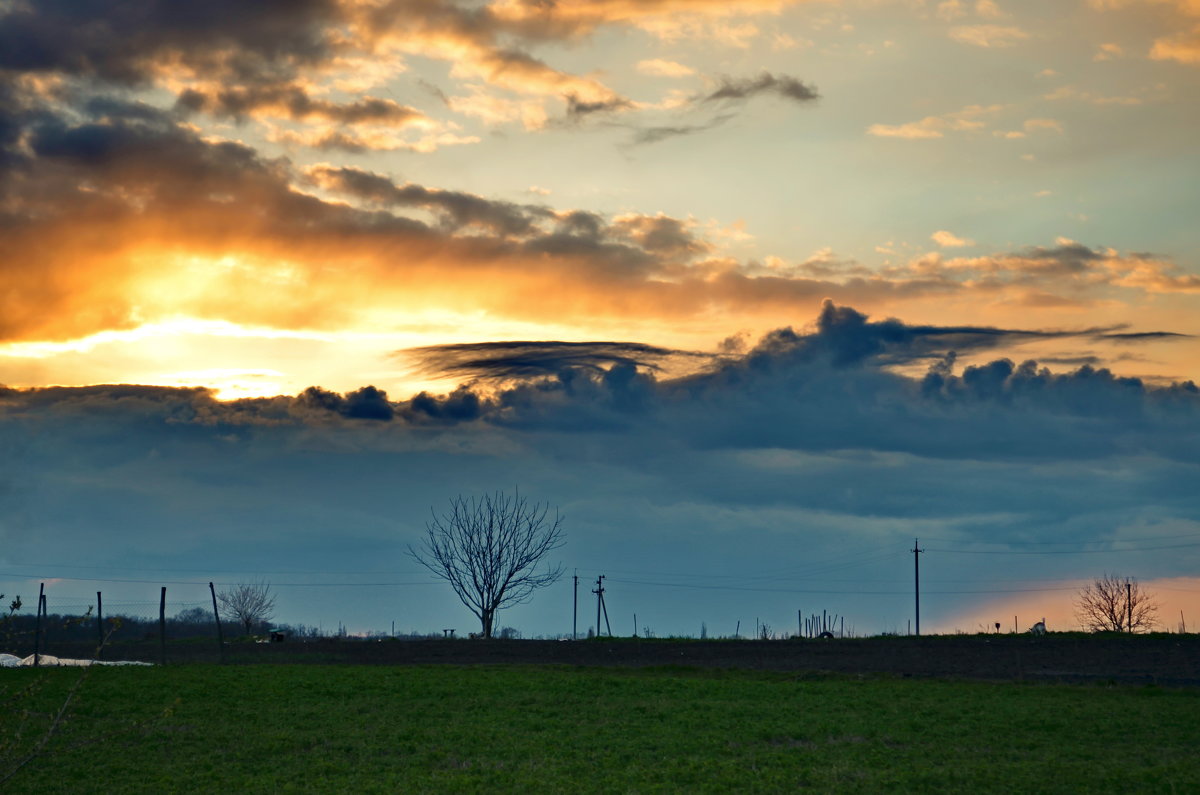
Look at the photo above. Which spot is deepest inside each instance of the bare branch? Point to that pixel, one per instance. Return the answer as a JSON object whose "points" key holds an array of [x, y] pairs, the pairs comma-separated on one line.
{"points": [[489, 549], [247, 603], [1115, 604]]}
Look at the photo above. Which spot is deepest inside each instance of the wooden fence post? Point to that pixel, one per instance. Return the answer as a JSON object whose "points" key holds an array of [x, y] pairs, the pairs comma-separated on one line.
{"points": [[162, 625], [220, 638], [37, 626], [99, 623]]}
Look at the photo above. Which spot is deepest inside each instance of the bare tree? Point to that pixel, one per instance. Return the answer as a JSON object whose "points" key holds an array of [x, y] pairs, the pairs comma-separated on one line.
{"points": [[489, 550], [247, 603], [1115, 604]]}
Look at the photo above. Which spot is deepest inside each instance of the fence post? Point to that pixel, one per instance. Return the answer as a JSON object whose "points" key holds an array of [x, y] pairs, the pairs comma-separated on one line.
{"points": [[162, 625], [220, 638], [99, 624], [37, 627]]}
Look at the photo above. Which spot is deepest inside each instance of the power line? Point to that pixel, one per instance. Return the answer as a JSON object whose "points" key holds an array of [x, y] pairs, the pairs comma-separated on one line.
{"points": [[188, 582], [839, 592], [1060, 551], [1040, 543], [789, 573], [207, 571]]}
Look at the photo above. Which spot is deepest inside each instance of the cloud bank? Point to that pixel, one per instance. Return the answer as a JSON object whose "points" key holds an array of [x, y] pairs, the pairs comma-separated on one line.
{"points": [[808, 444]]}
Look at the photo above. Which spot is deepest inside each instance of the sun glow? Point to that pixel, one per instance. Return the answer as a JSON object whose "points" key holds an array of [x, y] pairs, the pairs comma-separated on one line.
{"points": [[175, 327]]}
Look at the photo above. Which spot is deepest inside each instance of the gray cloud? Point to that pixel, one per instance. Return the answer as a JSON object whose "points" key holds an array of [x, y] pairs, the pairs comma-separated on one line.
{"points": [[730, 89], [577, 108], [652, 135], [1142, 336], [532, 359], [122, 42], [291, 101], [456, 208]]}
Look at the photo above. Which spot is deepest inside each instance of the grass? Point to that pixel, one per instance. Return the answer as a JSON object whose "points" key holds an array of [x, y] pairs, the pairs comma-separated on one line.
{"points": [[556, 729]]}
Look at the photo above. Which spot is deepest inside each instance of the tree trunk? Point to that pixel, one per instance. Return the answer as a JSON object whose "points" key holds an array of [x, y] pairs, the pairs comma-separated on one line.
{"points": [[486, 620]]}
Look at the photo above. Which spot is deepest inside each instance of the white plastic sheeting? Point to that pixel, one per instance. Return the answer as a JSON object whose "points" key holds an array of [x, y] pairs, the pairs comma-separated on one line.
{"points": [[50, 661]]}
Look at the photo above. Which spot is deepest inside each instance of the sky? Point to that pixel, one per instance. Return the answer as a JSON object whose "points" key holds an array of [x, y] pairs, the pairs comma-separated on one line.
{"points": [[755, 293]]}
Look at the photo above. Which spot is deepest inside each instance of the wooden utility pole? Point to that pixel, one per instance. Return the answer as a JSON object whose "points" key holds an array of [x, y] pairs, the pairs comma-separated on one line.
{"points": [[599, 601], [162, 626], [600, 605], [99, 623], [216, 615], [37, 626], [607, 626], [575, 609], [1129, 604], [917, 583]]}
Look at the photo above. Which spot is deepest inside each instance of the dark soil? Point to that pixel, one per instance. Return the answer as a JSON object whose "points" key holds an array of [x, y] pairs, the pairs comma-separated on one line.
{"points": [[1160, 659]]}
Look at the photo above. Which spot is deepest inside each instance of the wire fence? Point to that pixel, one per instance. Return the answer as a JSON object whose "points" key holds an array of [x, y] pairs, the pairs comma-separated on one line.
{"points": [[143, 630]]}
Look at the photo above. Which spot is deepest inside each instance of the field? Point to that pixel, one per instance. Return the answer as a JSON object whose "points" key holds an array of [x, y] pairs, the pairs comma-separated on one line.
{"points": [[1168, 659], [556, 728]]}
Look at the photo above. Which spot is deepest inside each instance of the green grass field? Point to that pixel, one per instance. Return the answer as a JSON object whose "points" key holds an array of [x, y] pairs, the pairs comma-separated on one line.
{"points": [[558, 729]]}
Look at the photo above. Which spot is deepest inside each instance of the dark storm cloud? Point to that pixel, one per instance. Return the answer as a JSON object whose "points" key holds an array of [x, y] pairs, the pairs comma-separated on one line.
{"points": [[845, 337], [826, 390], [832, 389], [456, 208], [1141, 336], [368, 403], [730, 89], [290, 101], [260, 59], [534, 359], [577, 108], [121, 42]]}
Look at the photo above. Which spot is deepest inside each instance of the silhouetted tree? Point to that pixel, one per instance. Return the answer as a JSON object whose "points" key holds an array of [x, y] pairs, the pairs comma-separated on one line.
{"points": [[247, 603], [489, 550], [1115, 604], [193, 615]]}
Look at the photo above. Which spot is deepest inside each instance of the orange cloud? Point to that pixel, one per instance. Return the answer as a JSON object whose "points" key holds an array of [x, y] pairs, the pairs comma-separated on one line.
{"points": [[595, 12], [988, 36], [965, 120], [130, 218], [664, 68], [1182, 47], [949, 239]]}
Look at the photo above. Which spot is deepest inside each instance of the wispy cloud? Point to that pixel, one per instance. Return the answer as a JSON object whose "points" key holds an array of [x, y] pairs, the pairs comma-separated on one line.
{"points": [[950, 240], [1183, 47], [968, 119], [664, 68], [988, 36], [737, 89]]}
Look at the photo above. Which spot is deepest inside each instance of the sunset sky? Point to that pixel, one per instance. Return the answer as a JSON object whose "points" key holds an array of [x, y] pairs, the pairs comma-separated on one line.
{"points": [[754, 291]]}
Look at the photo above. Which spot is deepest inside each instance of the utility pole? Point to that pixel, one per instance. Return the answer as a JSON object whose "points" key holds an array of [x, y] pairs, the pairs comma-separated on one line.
{"points": [[575, 609], [1128, 605], [916, 550], [37, 631], [212, 590], [599, 601]]}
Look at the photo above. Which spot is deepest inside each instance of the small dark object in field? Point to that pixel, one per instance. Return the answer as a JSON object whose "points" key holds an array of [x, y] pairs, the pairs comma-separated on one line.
{"points": [[826, 635]]}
